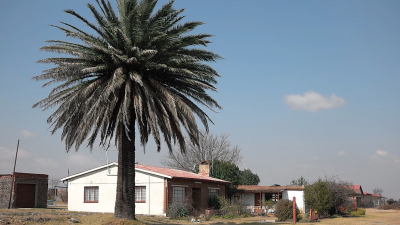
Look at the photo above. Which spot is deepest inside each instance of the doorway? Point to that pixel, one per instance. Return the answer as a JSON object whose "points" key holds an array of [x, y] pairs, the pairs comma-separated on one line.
{"points": [[25, 196], [196, 198]]}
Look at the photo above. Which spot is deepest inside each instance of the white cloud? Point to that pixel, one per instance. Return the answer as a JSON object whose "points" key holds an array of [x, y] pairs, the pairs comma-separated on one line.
{"points": [[45, 162], [384, 157], [27, 133], [382, 153], [341, 153], [315, 158], [312, 101]]}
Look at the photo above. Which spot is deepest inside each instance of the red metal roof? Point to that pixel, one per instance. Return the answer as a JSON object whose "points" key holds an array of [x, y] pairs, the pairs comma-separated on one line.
{"points": [[375, 195], [356, 188], [256, 188], [178, 173]]}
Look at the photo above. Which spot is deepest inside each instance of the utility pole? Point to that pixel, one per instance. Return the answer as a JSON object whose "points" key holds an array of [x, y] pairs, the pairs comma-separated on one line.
{"points": [[13, 177]]}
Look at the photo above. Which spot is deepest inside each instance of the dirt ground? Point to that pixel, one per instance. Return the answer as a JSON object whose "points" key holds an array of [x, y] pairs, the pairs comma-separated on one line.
{"points": [[59, 215]]}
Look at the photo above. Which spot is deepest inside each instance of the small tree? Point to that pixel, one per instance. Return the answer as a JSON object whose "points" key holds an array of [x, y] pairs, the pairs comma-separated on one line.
{"points": [[317, 197], [378, 191], [248, 178], [229, 172], [299, 182], [210, 147], [340, 191]]}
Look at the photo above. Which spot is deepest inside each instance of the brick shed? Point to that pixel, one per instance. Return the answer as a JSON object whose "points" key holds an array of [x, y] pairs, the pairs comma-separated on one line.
{"points": [[30, 190]]}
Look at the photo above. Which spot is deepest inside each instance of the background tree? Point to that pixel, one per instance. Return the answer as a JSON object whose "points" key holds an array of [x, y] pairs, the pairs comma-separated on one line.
{"points": [[229, 172], [135, 67], [317, 197], [340, 192], [211, 147], [248, 178], [378, 191], [299, 182]]}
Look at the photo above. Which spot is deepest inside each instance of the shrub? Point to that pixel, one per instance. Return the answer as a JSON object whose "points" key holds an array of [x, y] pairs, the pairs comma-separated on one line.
{"points": [[229, 211], [359, 212], [395, 206], [178, 209], [284, 210], [214, 202], [318, 198], [268, 205]]}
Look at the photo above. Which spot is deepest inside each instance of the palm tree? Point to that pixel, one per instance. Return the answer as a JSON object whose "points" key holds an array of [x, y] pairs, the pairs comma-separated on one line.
{"points": [[136, 68]]}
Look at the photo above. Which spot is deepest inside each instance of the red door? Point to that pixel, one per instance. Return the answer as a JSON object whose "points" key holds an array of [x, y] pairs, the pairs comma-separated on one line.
{"points": [[25, 196], [257, 199]]}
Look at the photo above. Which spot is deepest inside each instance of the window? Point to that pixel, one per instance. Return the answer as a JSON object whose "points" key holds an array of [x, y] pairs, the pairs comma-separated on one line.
{"points": [[178, 193], [274, 196], [140, 194], [213, 192], [91, 194]]}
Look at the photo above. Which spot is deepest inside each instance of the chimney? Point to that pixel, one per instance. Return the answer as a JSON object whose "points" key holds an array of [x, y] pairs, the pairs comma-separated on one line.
{"points": [[204, 168]]}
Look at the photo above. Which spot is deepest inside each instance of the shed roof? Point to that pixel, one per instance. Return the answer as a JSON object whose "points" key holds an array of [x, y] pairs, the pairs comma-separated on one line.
{"points": [[256, 188], [357, 189], [375, 195]]}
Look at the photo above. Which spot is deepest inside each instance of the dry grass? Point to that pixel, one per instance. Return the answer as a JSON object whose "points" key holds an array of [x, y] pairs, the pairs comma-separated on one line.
{"points": [[58, 215]]}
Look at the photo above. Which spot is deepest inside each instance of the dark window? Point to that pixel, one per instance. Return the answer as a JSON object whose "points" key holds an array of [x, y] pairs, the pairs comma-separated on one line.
{"points": [[92, 194], [274, 196], [178, 193], [140, 194], [213, 192]]}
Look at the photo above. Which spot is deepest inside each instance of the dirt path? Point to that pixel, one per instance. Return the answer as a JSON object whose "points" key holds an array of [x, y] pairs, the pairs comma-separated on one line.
{"points": [[59, 215]]}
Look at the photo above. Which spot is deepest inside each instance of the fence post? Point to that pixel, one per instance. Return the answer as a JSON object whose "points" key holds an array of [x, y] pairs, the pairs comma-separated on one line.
{"points": [[294, 210]]}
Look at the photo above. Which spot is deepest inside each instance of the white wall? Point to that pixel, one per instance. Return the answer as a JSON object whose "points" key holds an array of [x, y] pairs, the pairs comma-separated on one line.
{"points": [[107, 183], [289, 194], [154, 204], [248, 199], [107, 191]]}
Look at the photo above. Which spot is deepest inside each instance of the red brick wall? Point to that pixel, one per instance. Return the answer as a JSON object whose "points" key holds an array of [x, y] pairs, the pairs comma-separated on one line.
{"points": [[190, 185]]}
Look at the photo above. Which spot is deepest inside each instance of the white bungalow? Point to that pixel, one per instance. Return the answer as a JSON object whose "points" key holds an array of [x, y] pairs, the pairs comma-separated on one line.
{"points": [[252, 195], [155, 188]]}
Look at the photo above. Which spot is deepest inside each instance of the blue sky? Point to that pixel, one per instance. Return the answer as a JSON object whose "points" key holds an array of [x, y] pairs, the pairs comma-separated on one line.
{"points": [[308, 88]]}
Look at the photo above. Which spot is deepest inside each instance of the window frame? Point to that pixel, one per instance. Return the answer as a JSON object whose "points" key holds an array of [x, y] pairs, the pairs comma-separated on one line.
{"points": [[141, 194], [215, 190], [275, 196], [181, 198], [86, 188]]}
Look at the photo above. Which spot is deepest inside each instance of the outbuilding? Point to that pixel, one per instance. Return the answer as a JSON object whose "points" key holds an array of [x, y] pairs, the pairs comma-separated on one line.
{"points": [[30, 190], [253, 195], [156, 188]]}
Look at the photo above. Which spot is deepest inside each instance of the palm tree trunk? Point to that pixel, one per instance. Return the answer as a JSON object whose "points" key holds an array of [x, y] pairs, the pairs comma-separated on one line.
{"points": [[125, 200]]}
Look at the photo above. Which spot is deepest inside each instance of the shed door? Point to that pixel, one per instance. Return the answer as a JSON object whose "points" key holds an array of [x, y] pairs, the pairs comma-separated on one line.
{"points": [[25, 196]]}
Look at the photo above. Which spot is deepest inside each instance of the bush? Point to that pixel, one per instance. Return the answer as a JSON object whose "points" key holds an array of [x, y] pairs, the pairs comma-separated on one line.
{"points": [[318, 198], [230, 211], [178, 209], [359, 212], [214, 202], [284, 210], [395, 206]]}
